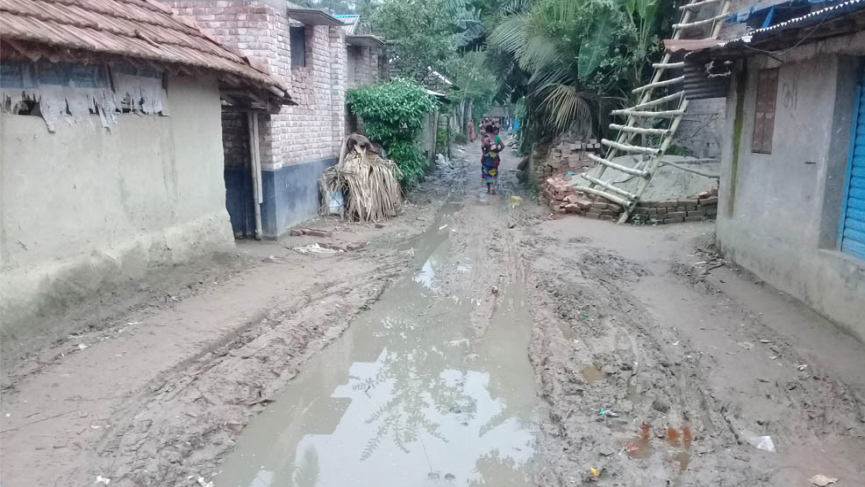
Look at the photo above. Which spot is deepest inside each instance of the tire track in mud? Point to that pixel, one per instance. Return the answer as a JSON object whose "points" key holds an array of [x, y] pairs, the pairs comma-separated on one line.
{"points": [[192, 415], [816, 405], [617, 402], [596, 347]]}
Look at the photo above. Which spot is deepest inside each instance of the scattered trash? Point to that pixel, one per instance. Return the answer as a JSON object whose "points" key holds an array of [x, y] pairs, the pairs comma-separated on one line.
{"points": [[102, 480], [746, 345], [314, 249], [82, 346], [675, 343], [595, 472], [443, 226], [335, 202], [802, 367], [761, 442], [608, 412], [822, 480], [442, 161], [516, 199], [585, 315], [765, 341], [202, 483], [495, 290]]}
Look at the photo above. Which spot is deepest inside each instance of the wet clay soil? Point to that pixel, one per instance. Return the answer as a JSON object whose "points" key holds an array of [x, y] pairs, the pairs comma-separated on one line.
{"points": [[476, 341]]}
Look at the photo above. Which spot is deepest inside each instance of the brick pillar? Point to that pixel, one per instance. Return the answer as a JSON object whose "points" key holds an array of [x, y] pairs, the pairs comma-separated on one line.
{"points": [[338, 66]]}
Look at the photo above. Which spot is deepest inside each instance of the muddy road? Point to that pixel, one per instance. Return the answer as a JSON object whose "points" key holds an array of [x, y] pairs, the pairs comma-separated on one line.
{"points": [[474, 341]]}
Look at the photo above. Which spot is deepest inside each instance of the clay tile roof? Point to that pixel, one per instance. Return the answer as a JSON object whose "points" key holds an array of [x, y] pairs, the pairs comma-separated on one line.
{"points": [[142, 29]]}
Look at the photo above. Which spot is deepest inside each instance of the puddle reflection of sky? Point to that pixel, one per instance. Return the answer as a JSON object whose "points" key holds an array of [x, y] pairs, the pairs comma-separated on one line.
{"points": [[399, 429]]}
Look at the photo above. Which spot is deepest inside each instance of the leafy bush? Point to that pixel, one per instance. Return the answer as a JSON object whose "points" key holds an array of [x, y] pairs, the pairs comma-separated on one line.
{"points": [[411, 161], [392, 114], [461, 138]]}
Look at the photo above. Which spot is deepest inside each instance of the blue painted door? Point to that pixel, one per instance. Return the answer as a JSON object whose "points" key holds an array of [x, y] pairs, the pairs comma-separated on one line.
{"points": [[852, 231]]}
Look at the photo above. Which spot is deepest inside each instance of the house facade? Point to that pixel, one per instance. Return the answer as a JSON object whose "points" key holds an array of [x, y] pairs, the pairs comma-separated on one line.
{"points": [[110, 147], [792, 200], [306, 49]]}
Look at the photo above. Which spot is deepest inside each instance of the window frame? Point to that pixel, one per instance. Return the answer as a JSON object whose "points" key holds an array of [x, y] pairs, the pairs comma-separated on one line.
{"points": [[297, 53], [764, 110]]}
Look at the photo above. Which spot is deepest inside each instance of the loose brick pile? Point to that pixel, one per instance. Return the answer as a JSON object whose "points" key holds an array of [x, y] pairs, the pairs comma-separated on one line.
{"points": [[698, 208], [569, 154], [564, 199]]}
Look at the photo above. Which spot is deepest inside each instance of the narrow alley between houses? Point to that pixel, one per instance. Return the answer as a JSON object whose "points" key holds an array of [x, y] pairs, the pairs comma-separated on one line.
{"points": [[473, 341], [432, 243]]}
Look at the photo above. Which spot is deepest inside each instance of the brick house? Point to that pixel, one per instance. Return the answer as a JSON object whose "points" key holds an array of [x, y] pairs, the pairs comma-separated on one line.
{"points": [[306, 48], [366, 62], [792, 200]]}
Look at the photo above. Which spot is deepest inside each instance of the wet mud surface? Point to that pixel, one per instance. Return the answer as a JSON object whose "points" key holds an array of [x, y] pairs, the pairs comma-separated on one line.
{"points": [[474, 341]]}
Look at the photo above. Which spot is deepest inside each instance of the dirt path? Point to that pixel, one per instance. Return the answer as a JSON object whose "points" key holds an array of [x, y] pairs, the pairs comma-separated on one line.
{"points": [[653, 365]]}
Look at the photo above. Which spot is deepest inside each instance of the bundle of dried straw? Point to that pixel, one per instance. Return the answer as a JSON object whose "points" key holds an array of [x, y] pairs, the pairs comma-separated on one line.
{"points": [[368, 183]]}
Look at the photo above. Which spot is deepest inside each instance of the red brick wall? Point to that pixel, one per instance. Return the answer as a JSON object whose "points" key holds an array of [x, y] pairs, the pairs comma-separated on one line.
{"points": [[313, 129]]}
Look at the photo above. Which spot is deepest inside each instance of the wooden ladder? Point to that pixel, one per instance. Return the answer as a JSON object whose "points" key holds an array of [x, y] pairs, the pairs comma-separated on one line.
{"points": [[642, 117]]}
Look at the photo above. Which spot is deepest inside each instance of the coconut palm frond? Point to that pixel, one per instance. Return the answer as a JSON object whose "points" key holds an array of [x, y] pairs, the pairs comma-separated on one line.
{"points": [[566, 105]]}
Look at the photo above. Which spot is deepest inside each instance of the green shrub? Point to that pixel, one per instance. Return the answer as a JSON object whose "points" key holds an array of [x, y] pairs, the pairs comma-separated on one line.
{"points": [[461, 138], [411, 162], [393, 113]]}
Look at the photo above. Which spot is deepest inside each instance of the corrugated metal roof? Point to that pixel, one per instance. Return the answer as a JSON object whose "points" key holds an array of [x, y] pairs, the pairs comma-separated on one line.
{"points": [[350, 22], [815, 16], [141, 29], [823, 22]]}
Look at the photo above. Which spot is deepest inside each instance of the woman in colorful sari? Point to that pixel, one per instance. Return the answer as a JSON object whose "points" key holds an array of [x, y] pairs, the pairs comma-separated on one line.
{"points": [[491, 145], [471, 131]]}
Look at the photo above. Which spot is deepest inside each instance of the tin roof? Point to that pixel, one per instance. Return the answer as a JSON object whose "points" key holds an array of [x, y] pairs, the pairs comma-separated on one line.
{"points": [[350, 22], [143, 29], [820, 24], [313, 16]]}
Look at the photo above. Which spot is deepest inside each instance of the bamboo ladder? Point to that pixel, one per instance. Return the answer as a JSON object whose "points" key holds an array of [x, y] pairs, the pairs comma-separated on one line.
{"points": [[649, 109]]}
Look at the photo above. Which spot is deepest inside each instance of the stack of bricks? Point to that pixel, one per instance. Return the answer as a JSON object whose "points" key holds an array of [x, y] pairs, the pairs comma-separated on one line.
{"points": [[563, 198], [698, 208], [568, 156]]}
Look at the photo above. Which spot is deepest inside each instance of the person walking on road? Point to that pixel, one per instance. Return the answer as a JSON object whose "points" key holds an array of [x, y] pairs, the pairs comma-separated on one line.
{"points": [[491, 146]]}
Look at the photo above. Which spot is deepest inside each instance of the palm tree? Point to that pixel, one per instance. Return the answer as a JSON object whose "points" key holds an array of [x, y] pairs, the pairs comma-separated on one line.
{"points": [[575, 53]]}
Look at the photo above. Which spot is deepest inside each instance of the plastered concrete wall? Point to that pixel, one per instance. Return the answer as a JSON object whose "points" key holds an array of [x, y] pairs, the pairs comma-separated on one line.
{"points": [[778, 214], [700, 129], [84, 209]]}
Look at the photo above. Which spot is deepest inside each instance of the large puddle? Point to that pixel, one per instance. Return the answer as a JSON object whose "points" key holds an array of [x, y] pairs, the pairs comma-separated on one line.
{"points": [[404, 398]]}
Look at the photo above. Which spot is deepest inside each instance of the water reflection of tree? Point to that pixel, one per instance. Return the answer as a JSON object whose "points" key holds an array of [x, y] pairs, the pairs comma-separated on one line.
{"points": [[417, 386], [307, 472], [498, 471]]}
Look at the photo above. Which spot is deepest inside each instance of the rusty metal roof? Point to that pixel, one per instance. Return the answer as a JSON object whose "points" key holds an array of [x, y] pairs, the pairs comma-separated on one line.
{"points": [[143, 29]]}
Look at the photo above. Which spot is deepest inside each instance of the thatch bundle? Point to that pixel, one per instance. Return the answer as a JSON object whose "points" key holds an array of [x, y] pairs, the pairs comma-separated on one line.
{"points": [[368, 183]]}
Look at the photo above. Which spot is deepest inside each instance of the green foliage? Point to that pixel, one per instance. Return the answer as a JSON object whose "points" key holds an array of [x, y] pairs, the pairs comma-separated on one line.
{"points": [[568, 56], [419, 33], [391, 111], [461, 138], [411, 161], [392, 114]]}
